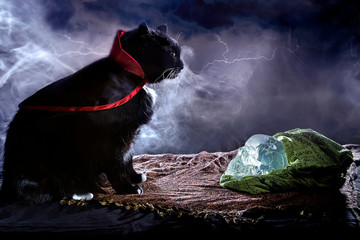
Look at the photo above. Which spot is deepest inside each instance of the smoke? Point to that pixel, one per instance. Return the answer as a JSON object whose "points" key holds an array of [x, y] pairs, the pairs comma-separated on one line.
{"points": [[252, 81], [249, 72], [33, 55]]}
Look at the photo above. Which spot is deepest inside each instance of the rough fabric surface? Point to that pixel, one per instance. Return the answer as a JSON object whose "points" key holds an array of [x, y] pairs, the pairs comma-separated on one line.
{"points": [[190, 183], [316, 162]]}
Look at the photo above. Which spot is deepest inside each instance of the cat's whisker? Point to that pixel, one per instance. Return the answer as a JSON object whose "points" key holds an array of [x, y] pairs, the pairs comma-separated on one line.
{"points": [[163, 75], [178, 36], [172, 74]]}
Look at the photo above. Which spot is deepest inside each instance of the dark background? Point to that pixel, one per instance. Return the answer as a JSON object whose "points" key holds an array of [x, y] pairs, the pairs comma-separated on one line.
{"points": [[251, 66]]}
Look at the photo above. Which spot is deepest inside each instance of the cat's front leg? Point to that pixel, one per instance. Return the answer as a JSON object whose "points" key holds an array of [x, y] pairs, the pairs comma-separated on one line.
{"points": [[135, 177], [120, 179]]}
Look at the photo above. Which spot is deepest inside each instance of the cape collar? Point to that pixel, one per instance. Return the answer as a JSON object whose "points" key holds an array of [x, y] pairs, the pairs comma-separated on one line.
{"points": [[125, 60]]}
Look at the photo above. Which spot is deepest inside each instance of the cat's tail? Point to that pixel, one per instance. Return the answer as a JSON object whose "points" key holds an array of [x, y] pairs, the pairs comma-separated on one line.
{"points": [[24, 191]]}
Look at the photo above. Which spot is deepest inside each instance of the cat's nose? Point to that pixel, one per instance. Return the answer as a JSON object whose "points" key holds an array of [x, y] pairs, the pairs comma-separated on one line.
{"points": [[181, 65]]}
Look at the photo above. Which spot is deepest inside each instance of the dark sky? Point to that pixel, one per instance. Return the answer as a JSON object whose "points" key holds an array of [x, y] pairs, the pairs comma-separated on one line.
{"points": [[251, 66]]}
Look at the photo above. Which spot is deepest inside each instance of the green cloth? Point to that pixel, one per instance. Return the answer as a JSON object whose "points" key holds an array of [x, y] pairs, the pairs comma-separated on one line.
{"points": [[315, 162]]}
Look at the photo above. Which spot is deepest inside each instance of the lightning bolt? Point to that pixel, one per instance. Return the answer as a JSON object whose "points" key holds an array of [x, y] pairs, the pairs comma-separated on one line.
{"points": [[87, 50], [225, 60], [33, 48]]}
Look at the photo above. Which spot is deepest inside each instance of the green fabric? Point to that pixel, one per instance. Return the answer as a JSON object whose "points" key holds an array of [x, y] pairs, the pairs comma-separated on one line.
{"points": [[315, 162]]}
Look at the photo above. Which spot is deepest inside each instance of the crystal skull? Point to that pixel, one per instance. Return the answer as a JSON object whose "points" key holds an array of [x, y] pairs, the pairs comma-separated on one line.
{"points": [[261, 154]]}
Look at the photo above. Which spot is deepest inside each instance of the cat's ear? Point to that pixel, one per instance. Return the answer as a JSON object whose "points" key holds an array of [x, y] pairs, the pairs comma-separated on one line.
{"points": [[143, 28], [162, 28]]}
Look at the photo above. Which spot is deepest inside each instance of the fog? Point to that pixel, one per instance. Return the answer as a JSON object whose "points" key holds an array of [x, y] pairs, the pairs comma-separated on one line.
{"points": [[247, 70]]}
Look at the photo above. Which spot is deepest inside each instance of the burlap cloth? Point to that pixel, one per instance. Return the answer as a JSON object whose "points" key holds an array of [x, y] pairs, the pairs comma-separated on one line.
{"points": [[189, 184]]}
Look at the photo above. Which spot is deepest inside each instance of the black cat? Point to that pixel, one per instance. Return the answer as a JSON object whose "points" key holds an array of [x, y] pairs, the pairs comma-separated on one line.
{"points": [[68, 134]]}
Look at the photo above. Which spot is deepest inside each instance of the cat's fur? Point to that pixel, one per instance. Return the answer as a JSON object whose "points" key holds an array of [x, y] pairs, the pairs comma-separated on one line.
{"points": [[49, 155]]}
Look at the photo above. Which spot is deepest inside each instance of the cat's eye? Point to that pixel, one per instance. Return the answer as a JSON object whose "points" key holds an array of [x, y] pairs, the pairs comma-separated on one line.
{"points": [[173, 54]]}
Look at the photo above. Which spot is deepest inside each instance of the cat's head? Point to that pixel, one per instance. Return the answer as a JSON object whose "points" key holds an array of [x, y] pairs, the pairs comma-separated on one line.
{"points": [[157, 53]]}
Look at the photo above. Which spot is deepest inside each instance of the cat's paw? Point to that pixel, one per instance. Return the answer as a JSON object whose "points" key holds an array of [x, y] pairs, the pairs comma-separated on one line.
{"points": [[143, 177], [128, 189], [139, 190], [84, 196]]}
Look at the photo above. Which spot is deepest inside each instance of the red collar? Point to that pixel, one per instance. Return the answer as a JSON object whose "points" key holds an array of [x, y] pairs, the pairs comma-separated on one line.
{"points": [[87, 108], [123, 59]]}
